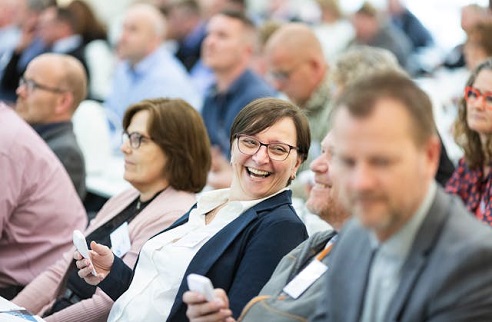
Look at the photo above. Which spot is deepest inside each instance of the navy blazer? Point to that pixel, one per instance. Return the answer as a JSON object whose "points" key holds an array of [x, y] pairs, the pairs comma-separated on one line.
{"points": [[447, 275], [240, 258]]}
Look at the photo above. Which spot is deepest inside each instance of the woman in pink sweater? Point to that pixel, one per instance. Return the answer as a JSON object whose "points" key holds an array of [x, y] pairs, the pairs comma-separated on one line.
{"points": [[162, 141]]}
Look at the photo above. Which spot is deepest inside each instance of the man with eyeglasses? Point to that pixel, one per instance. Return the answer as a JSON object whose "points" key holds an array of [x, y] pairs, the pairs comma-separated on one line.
{"points": [[48, 95], [297, 68]]}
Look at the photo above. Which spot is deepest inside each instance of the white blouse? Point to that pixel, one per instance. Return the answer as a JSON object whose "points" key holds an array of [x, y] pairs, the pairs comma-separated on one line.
{"points": [[165, 258]]}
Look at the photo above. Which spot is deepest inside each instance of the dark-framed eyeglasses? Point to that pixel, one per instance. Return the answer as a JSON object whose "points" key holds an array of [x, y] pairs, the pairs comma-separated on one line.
{"points": [[283, 75], [135, 139], [472, 94], [276, 151], [31, 85]]}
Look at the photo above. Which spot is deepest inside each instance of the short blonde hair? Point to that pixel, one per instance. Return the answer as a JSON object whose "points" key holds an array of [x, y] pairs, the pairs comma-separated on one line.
{"points": [[360, 61]]}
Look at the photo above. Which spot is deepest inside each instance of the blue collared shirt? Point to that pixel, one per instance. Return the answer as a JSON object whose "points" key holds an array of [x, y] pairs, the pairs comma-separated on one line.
{"points": [[220, 109], [67, 44], [159, 74]]}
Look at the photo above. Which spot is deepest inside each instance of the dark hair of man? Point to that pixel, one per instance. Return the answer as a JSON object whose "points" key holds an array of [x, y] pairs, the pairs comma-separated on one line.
{"points": [[179, 131], [262, 113], [241, 16], [361, 98]]}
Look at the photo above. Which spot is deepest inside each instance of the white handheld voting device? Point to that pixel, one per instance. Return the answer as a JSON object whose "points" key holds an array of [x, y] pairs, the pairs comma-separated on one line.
{"points": [[81, 245], [202, 285]]}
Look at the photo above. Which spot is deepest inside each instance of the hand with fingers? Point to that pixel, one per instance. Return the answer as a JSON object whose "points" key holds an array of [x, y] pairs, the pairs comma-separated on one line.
{"points": [[102, 259], [200, 310]]}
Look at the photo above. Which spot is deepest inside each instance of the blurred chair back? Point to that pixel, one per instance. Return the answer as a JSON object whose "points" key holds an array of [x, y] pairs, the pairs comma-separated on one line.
{"points": [[100, 62], [91, 128]]}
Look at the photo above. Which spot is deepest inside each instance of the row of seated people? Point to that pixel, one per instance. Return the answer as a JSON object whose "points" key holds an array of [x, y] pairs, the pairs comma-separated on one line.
{"points": [[254, 174], [32, 87], [143, 60], [140, 75], [309, 89]]}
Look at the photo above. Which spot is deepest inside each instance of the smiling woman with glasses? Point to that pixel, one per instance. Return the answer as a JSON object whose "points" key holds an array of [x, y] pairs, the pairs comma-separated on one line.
{"points": [[276, 151], [472, 179], [165, 172], [235, 236]]}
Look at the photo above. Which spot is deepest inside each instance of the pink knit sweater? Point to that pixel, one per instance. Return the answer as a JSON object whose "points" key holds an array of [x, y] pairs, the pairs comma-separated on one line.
{"points": [[159, 214]]}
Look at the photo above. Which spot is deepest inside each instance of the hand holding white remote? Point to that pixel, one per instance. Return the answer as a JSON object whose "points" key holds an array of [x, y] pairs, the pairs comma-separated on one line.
{"points": [[81, 245], [202, 285]]}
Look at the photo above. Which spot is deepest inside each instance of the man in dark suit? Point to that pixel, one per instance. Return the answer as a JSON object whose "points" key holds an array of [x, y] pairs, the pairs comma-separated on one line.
{"points": [[412, 253], [48, 95], [56, 32]]}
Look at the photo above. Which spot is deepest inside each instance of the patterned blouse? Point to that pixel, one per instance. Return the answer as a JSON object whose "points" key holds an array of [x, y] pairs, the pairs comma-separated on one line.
{"points": [[474, 189]]}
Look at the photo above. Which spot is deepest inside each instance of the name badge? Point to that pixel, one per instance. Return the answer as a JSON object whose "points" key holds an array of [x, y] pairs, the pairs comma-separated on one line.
{"points": [[120, 240], [191, 240], [305, 279]]}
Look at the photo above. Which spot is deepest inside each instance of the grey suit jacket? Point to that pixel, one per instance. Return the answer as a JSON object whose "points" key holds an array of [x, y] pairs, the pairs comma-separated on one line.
{"points": [[61, 139], [446, 277]]}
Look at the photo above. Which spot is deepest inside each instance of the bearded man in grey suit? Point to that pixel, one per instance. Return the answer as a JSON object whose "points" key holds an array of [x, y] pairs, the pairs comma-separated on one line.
{"points": [[48, 95], [412, 252]]}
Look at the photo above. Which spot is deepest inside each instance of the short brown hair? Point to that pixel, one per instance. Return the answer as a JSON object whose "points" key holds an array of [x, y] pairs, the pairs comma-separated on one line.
{"points": [[249, 28], [262, 113], [361, 97], [179, 131]]}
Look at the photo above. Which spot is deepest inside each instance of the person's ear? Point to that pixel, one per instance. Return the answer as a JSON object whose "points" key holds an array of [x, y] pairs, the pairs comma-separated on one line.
{"points": [[432, 154], [297, 164], [65, 103]]}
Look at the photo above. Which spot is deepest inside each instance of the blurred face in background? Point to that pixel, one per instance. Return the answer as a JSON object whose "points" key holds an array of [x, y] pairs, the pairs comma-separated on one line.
{"points": [[294, 74], [323, 197], [479, 104], [48, 26], [226, 44], [365, 27], [140, 33], [379, 166]]}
